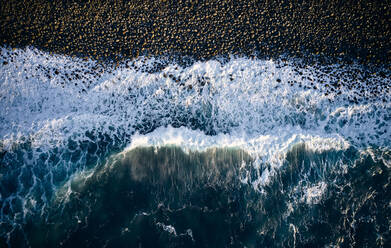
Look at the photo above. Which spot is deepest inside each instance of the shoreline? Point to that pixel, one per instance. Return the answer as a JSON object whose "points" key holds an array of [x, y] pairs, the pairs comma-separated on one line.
{"points": [[120, 30]]}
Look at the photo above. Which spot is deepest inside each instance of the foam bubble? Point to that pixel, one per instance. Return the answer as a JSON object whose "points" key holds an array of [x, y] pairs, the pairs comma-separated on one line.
{"points": [[313, 194]]}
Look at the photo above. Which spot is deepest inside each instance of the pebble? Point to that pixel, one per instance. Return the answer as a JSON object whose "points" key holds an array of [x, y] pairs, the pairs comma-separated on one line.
{"points": [[116, 30]]}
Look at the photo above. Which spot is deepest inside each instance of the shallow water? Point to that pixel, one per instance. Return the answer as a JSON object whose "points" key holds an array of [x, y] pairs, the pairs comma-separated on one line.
{"points": [[241, 152]]}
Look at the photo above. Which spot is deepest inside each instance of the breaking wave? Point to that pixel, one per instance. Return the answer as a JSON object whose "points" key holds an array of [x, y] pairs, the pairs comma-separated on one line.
{"points": [[152, 152]]}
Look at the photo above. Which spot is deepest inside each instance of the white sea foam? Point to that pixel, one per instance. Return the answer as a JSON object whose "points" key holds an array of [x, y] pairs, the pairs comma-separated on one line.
{"points": [[52, 98], [261, 106], [167, 228], [270, 147], [313, 194]]}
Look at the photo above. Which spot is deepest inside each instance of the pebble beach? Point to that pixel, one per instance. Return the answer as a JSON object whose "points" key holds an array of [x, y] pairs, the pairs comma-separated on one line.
{"points": [[116, 30]]}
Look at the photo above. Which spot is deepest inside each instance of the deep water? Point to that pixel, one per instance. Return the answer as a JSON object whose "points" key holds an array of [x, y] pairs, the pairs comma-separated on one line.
{"points": [[236, 153]]}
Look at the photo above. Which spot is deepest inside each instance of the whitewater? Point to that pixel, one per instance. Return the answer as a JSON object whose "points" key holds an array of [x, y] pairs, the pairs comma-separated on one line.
{"points": [[71, 127]]}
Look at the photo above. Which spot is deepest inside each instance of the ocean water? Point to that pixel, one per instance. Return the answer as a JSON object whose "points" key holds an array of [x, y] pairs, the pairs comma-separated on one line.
{"points": [[233, 152]]}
